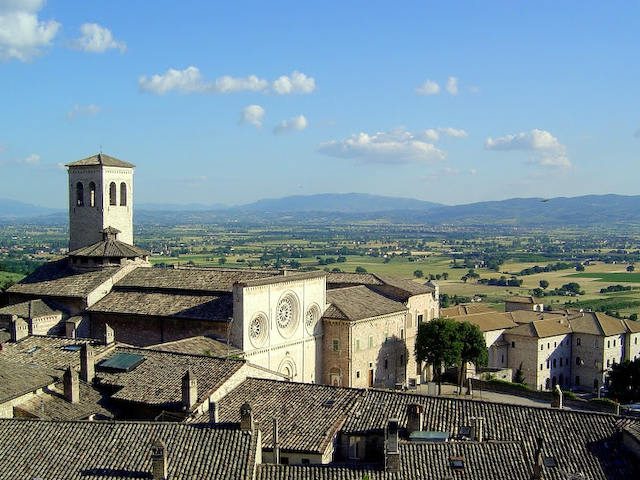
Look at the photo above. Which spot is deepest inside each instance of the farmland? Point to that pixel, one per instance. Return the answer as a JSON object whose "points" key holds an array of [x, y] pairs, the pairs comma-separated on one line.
{"points": [[477, 264]]}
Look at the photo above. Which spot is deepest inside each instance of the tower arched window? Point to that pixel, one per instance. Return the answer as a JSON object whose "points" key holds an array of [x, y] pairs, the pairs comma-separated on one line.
{"points": [[79, 194], [123, 194], [112, 194], [92, 194]]}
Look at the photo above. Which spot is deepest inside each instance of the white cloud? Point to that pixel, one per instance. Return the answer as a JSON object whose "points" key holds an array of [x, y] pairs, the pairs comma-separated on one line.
{"points": [[428, 88], [32, 159], [237, 84], [473, 171], [547, 149], [450, 171], [97, 39], [190, 80], [433, 135], [83, 111], [287, 126], [252, 115], [22, 34], [395, 147], [452, 85], [296, 83]]}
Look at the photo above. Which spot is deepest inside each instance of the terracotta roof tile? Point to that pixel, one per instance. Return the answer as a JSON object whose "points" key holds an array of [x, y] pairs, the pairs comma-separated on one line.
{"points": [[100, 160], [357, 303], [122, 450]]}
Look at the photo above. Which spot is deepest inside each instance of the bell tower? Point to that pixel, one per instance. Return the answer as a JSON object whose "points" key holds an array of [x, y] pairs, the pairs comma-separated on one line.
{"points": [[100, 196]]}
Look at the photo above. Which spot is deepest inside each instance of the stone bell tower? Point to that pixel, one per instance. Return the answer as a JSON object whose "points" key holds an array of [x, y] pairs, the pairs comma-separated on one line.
{"points": [[100, 196]]}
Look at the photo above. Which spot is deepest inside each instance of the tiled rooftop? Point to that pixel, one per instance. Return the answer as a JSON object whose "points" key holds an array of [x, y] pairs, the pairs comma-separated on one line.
{"points": [[30, 309], [597, 323], [308, 415], [540, 329], [176, 304], [201, 345], [158, 380], [481, 461], [17, 379], [100, 160], [357, 303], [57, 278], [190, 278], [486, 322], [122, 450], [50, 352]]}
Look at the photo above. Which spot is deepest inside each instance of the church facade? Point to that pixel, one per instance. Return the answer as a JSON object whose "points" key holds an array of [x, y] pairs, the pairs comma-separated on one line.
{"points": [[283, 321]]}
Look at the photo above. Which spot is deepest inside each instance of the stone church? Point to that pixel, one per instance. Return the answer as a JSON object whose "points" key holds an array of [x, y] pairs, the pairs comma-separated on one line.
{"points": [[315, 327]]}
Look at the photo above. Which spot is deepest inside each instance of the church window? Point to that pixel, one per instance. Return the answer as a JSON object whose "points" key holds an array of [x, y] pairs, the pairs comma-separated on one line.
{"points": [[112, 194], [79, 194], [311, 318], [287, 314], [336, 345], [123, 194], [258, 330], [357, 344], [578, 342], [92, 194]]}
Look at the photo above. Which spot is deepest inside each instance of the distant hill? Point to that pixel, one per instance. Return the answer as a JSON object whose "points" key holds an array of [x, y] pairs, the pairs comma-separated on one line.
{"points": [[338, 202], [13, 209], [602, 211], [586, 210]]}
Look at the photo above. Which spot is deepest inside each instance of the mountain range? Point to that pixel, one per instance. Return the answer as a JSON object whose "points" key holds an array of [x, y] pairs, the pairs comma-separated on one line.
{"points": [[589, 210]]}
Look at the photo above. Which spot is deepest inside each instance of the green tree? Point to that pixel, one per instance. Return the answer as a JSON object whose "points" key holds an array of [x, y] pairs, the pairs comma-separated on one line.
{"points": [[544, 284], [473, 350], [445, 276], [630, 268], [222, 261], [519, 375], [438, 344], [624, 381], [418, 273], [361, 270]]}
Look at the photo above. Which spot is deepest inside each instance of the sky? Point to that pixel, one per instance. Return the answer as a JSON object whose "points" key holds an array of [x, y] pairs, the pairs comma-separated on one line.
{"points": [[229, 102]]}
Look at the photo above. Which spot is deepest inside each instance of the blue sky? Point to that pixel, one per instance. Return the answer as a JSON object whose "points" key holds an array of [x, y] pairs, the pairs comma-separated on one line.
{"points": [[234, 101]]}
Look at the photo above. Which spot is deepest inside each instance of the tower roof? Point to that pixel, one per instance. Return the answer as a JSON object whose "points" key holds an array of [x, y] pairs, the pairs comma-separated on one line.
{"points": [[98, 160], [110, 246]]}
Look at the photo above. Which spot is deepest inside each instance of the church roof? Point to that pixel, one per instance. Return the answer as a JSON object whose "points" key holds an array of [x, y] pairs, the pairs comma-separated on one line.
{"points": [[358, 303], [57, 278], [165, 304], [100, 160], [109, 246], [17, 379], [29, 310], [191, 278]]}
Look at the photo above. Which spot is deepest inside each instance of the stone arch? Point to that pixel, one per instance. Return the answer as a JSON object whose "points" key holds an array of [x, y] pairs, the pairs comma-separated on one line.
{"points": [[113, 194], [123, 194], [288, 367], [79, 194]]}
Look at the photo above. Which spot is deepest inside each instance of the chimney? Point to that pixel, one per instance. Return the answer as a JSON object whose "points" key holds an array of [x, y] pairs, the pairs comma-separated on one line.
{"points": [[415, 418], [214, 414], [71, 385], [557, 400], [109, 334], [478, 430], [276, 443], [189, 390], [537, 466], [19, 329], [159, 460], [246, 418], [87, 363], [391, 454], [71, 329]]}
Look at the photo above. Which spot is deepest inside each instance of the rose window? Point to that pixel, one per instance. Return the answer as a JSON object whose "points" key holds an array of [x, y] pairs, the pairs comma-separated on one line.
{"points": [[287, 314], [258, 330]]}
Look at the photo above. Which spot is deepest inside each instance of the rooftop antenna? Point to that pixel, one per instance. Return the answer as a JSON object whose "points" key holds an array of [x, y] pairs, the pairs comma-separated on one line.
{"points": [[100, 148]]}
